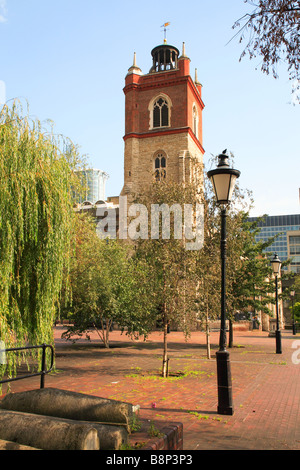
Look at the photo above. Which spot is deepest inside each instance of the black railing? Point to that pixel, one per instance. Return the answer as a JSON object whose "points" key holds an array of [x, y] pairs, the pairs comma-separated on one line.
{"points": [[43, 371]]}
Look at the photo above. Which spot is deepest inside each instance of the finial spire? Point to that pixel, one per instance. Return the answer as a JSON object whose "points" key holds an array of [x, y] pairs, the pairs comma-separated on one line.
{"points": [[196, 78], [134, 68]]}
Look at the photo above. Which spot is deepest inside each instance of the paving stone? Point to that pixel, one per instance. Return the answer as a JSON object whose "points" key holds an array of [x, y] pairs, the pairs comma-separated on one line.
{"points": [[266, 386]]}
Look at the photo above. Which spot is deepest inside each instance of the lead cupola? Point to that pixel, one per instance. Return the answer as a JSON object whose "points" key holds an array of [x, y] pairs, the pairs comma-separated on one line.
{"points": [[165, 57]]}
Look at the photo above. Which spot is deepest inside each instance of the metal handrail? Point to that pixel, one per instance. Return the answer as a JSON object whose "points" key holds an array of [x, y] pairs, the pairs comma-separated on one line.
{"points": [[43, 371]]}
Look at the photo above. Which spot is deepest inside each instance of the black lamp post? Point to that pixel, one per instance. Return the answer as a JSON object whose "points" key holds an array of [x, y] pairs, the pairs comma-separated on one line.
{"points": [[276, 264], [294, 325], [223, 179]]}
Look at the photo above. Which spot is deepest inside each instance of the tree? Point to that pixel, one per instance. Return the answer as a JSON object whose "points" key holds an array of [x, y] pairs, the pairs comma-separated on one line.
{"points": [[208, 262], [274, 34], [249, 269], [36, 221], [296, 311], [107, 285], [169, 260], [296, 287], [207, 269]]}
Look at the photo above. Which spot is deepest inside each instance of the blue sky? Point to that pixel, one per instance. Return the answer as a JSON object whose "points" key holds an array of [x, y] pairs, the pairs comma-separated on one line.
{"points": [[69, 58]]}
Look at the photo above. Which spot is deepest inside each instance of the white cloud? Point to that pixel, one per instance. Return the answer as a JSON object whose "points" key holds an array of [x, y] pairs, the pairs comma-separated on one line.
{"points": [[3, 11]]}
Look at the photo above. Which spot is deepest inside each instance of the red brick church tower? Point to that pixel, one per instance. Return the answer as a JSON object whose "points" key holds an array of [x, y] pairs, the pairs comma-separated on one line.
{"points": [[163, 121]]}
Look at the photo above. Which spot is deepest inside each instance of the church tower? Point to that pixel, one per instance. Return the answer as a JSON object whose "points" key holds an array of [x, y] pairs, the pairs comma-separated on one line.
{"points": [[163, 121]]}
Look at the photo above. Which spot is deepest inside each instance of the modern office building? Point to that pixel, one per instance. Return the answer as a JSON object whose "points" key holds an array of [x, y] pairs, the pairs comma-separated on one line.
{"points": [[287, 244], [93, 183]]}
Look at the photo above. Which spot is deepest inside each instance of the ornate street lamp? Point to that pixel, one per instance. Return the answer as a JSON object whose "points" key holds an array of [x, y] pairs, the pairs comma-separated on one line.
{"points": [[223, 179], [294, 325], [276, 265]]}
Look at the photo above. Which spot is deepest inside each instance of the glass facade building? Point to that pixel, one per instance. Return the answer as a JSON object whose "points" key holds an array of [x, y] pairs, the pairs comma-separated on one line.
{"points": [[93, 181], [287, 245]]}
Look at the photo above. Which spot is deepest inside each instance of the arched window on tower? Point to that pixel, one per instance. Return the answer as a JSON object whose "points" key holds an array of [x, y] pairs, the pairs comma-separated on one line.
{"points": [[160, 113], [160, 166], [159, 108]]}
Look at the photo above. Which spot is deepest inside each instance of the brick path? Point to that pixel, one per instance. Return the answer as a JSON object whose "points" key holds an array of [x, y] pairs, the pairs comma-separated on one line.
{"points": [[266, 386]]}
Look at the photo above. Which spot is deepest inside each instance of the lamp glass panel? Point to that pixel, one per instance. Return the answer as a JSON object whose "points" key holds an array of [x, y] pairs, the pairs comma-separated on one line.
{"points": [[276, 267], [232, 184], [221, 186]]}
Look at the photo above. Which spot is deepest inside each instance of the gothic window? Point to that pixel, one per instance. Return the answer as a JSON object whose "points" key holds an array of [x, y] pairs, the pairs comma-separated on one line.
{"points": [[160, 165], [160, 113]]}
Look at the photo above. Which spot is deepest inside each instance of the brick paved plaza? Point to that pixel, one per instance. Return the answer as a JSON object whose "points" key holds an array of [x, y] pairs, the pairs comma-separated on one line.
{"points": [[266, 386]]}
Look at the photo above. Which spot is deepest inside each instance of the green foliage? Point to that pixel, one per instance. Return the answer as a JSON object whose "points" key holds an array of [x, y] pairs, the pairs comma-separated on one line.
{"points": [[108, 285], [296, 288], [296, 311], [249, 269], [135, 423], [153, 431], [36, 221], [169, 261], [168, 258]]}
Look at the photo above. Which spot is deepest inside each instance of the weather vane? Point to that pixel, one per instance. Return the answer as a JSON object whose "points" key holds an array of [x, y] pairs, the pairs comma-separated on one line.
{"points": [[165, 31]]}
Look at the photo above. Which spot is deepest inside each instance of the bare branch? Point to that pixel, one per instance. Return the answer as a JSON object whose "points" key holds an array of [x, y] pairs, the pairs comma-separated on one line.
{"points": [[274, 34]]}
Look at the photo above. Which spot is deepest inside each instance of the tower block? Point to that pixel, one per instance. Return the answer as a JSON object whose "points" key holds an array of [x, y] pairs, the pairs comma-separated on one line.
{"points": [[163, 121]]}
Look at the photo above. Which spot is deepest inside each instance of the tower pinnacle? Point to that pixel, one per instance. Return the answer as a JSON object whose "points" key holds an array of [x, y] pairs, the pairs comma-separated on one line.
{"points": [[134, 68], [183, 50]]}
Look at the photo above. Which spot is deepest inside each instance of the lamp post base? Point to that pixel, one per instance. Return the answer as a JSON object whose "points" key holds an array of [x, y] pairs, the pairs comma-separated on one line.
{"points": [[225, 406], [278, 342]]}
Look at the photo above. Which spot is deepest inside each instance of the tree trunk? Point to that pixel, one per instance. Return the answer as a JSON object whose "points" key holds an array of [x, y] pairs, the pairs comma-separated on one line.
{"points": [[230, 340], [104, 332], [207, 336], [165, 352]]}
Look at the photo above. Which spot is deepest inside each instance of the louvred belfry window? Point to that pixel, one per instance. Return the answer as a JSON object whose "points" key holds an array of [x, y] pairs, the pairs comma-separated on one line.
{"points": [[160, 113], [160, 167]]}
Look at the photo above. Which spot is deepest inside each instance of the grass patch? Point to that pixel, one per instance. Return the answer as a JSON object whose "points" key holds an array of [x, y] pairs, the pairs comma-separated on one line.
{"points": [[136, 446], [153, 431], [173, 375], [135, 423], [283, 363], [198, 415]]}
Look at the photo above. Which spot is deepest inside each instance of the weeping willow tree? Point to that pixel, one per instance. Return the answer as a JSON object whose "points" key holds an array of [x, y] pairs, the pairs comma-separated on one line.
{"points": [[36, 220]]}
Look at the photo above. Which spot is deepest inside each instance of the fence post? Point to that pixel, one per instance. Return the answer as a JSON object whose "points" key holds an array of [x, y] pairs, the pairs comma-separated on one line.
{"points": [[43, 366]]}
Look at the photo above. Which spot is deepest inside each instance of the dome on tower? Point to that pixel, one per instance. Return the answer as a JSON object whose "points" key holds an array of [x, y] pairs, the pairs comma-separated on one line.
{"points": [[165, 57]]}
